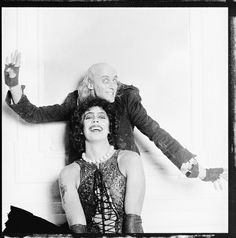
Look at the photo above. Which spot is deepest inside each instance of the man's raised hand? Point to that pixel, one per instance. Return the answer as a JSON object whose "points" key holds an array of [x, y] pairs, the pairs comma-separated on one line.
{"points": [[11, 71]]}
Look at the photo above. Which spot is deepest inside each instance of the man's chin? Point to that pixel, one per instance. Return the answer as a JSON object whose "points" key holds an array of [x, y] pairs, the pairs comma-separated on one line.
{"points": [[111, 100]]}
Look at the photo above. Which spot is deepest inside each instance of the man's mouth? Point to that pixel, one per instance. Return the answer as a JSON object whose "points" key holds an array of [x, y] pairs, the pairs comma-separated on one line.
{"points": [[111, 93], [95, 128]]}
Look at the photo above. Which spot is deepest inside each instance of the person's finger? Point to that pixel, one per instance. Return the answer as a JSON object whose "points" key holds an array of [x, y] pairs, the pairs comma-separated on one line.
{"points": [[18, 60], [219, 184], [215, 185], [7, 61], [11, 58], [15, 56], [224, 175], [225, 170]]}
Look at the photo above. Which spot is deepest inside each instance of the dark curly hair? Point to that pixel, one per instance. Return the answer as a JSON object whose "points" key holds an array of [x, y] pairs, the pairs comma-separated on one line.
{"points": [[76, 135]]}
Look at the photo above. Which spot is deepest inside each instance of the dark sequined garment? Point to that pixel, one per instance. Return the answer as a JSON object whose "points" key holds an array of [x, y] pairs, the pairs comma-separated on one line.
{"points": [[102, 194]]}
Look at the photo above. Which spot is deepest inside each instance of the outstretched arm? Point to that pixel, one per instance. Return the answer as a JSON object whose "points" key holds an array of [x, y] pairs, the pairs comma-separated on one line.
{"points": [[18, 101], [176, 153], [138, 116]]}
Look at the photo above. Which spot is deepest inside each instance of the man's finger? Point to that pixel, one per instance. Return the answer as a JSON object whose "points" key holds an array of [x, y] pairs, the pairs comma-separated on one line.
{"points": [[18, 60], [215, 185], [15, 56], [219, 184], [7, 61], [224, 175], [12, 58]]}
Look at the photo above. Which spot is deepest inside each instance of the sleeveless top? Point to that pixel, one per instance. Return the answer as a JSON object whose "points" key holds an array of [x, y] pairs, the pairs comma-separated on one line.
{"points": [[102, 195]]}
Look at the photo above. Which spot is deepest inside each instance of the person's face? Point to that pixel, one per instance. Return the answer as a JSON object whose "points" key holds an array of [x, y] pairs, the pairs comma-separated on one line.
{"points": [[96, 124], [105, 82]]}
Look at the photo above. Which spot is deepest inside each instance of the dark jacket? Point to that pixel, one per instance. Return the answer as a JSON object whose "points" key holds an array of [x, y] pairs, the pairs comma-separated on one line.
{"points": [[133, 114]]}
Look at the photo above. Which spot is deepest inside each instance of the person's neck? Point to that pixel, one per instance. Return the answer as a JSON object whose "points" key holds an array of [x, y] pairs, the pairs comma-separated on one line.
{"points": [[96, 150]]}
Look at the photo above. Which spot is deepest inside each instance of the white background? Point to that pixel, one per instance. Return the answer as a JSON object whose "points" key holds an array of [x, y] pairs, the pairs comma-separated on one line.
{"points": [[177, 57]]}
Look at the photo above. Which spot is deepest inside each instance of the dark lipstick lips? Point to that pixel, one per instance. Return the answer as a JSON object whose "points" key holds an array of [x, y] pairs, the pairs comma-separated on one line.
{"points": [[92, 128]]}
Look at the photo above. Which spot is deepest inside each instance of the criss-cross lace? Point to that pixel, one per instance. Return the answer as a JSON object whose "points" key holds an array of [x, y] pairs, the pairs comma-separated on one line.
{"points": [[106, 215], [102, 193]]}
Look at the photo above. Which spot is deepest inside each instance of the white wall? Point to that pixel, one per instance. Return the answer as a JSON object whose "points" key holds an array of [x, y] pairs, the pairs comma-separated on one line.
{"points": [[178, 59]]}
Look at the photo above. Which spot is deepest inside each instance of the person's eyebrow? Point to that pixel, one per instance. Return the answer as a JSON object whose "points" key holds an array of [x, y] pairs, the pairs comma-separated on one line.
{"points": [[87, 113], [107, 76], [104, 113]]}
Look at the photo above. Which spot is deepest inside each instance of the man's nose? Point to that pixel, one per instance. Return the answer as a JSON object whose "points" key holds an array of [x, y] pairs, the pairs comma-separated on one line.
{"points": [[95, 120], [112, 84]]}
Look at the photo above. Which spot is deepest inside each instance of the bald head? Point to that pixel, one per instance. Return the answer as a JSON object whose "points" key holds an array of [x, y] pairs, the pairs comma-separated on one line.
{"points": [[99, 69], [104, 80]]}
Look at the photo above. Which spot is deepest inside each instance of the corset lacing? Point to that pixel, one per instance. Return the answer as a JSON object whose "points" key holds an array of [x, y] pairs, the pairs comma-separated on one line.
{"points": [[106, 216]]}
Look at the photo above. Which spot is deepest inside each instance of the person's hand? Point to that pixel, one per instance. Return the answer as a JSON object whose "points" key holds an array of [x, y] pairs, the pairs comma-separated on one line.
{"points": [[11, 71], [216, 176]]}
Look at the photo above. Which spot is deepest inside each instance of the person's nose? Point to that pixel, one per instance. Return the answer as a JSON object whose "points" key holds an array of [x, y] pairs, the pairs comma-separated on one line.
{"points": [[95, 120], [112, 85]]}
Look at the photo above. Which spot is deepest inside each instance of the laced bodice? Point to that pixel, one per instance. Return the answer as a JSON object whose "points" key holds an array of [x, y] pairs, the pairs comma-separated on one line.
{"points": [[102, 194]]}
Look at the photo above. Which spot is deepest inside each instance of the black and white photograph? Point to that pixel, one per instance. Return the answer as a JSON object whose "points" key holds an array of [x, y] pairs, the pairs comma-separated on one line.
{"points": [[115, 120]]}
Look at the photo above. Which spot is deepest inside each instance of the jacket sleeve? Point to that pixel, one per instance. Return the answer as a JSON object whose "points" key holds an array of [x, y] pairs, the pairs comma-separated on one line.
{"points": [[33, 114], [149, 127]]}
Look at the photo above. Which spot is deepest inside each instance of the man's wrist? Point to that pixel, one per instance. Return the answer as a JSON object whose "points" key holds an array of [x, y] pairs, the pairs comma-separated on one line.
{"points": [[16, 87], [202, 173], [190, 169], [16, 93]]}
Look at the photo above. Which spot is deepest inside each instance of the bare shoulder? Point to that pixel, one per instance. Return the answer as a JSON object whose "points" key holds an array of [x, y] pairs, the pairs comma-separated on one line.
{"points": [[128, 161], [70, 171], [128, 153], [128, 157]]}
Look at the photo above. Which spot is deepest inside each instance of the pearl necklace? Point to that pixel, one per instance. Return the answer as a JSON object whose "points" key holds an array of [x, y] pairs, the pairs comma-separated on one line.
{"points": [[100, 160]]}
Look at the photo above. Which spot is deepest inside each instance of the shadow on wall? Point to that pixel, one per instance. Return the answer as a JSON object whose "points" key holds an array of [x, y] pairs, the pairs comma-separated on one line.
{"points": [[158, 167], [152, 157], [55, 206], [10, 114], [54, 191]]}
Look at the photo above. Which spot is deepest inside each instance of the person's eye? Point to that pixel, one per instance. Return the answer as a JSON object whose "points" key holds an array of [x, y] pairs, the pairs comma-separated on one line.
{"points": [[105, 81], [102, 116], [87, 117]]}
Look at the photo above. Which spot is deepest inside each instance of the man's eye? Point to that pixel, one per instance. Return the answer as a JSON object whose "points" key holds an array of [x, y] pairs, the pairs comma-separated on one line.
{"points": [[105, 81], [102, 117], [88, 117]]}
